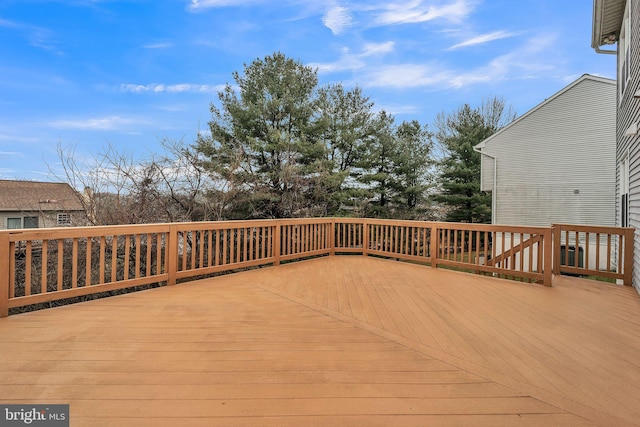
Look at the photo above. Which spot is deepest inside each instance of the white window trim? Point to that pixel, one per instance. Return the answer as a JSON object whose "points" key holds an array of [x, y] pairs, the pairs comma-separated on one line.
{"points": [[624, 191], [63, 219], [624, 52]]}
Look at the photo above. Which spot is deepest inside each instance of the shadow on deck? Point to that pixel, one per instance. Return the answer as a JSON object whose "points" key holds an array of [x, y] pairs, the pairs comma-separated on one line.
{"points": [[344, 340]]}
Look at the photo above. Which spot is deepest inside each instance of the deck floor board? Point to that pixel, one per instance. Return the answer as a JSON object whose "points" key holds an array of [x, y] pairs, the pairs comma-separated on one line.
{"points": [[345, 340]]}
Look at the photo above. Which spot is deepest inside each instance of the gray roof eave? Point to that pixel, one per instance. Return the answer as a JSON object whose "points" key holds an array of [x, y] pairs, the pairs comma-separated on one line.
{"points": [[607, 19]]}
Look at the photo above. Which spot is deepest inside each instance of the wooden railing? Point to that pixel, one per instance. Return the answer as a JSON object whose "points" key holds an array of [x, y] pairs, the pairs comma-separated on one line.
{"points": [[43, 265], [305, 238], [507, 251], [594, 251], [202, 248]]}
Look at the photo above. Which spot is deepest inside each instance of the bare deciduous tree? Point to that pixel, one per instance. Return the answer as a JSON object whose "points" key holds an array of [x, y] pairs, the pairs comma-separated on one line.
{"points": [[118, 189]]}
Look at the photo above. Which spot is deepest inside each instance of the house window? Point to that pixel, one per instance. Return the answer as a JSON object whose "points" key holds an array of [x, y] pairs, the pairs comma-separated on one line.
{"points": [[64, 219], [624, 52], [25, 222], [14, 223], [30, 222], [624, 192]]}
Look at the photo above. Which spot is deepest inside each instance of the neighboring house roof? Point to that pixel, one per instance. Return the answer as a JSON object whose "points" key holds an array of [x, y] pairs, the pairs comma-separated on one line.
{"points": [[31, 196], [607, 20], [545, 102]]}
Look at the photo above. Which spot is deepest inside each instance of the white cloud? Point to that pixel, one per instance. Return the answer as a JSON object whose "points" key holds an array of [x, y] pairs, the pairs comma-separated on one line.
{"points": [[410, 76], [9, 24], [482, 38], [13, 138], [354, 61], [531, 60], [524, 62], [196, 5], [173, 108], [345, 63], [418, 11], [175, 88], [377, 48], [37, 36], [7, 173], [158, 46], [99, 123], [397, 109], [337, 19], [406, 76]]}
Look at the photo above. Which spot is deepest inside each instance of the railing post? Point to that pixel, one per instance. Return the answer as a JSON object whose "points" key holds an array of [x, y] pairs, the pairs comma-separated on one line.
{"points": [[433, 244], [365, 237], [547, 265], [629, 236], [276, 243], [4, 274], [332, 237], [172, 254], [557, 234]]}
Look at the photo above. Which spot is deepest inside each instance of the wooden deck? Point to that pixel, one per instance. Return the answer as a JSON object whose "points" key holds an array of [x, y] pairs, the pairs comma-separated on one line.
{"points": [[345, 340]]}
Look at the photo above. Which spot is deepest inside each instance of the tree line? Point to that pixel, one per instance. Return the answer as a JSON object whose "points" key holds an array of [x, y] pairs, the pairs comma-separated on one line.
{"points": [[279, 145]]}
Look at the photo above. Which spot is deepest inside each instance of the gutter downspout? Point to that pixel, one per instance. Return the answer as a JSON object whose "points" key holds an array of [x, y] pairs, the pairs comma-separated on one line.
{"points": [[598, 10], [494, 193]]}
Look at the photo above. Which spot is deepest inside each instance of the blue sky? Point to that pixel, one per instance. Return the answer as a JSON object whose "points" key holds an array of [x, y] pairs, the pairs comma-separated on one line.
{"points": [[131, 73]]}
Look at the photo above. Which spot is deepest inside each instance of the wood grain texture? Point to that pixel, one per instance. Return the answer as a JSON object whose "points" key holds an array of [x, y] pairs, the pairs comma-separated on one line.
{"points": [[334, 341]]}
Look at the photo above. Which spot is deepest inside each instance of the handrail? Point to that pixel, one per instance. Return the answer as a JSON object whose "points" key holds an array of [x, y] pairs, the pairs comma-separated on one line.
{"points": [[510, 252], [473, 246], [43, 265], [594, 251]]}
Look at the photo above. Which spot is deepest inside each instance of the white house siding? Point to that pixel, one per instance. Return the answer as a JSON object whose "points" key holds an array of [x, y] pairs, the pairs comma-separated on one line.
{"points": [[556, 163], [486, 173], [628, 113]]}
